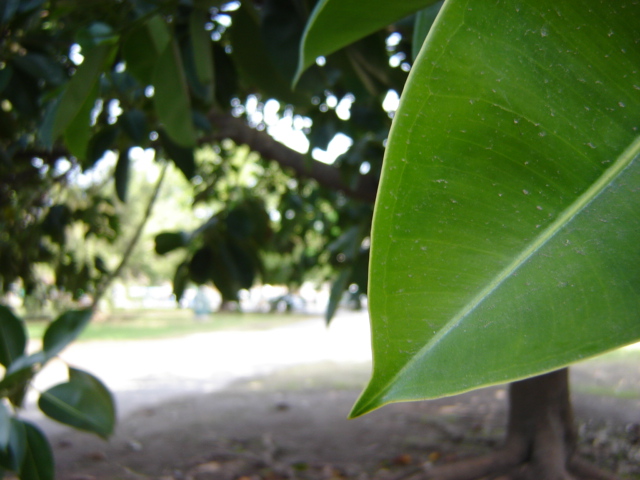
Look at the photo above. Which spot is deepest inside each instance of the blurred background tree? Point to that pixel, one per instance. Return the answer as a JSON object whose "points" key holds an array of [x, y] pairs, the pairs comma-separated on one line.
{"points": [[96, 99]]}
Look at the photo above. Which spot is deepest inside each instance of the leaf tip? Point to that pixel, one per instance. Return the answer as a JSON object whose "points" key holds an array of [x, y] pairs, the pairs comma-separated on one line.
{"points": [[370, 399], [303, 63]]}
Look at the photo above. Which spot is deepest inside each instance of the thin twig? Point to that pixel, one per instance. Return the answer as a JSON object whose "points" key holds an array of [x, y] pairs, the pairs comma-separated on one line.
{"points": [[132, 243]]}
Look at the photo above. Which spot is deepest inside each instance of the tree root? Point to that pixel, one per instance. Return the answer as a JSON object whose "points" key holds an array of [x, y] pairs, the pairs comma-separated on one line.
{"points": [[540, 444], [502, 465]]}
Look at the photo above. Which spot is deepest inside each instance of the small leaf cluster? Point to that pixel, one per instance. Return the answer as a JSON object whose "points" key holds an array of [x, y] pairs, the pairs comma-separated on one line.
{"points": [[82, 402]]}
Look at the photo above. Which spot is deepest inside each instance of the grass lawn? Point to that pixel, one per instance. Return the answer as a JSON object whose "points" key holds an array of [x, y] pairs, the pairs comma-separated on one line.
{"points": [[148, 324]]}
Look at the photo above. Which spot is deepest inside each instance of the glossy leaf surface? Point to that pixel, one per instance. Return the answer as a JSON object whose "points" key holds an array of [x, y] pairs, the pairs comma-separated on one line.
{"points": [[83, 402], [506, 232], [335, 24]]}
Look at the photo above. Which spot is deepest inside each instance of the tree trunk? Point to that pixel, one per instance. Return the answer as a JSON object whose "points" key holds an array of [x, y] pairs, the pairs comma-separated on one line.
{"points": [[541, 438], [228, 306]]}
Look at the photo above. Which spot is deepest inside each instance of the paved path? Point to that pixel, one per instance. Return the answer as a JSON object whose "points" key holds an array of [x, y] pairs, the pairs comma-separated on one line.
{"points": [[142, 374], [148, 372]]}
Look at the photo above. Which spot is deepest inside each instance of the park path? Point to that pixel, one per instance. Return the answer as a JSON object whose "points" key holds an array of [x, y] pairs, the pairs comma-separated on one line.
{"points": [[145, 373]]}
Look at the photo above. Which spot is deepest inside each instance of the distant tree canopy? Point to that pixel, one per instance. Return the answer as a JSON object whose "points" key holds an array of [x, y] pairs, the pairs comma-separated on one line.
{"points": [[80, 79]]}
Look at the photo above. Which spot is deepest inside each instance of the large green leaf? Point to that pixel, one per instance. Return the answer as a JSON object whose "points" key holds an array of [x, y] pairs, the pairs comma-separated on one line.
{"points": [[506, 233], [337, 23], [13, 336], [83, 402]]}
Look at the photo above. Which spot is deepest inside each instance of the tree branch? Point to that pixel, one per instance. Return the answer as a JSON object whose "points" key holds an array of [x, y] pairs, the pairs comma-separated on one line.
{"points": [[133, 242], [228, 126]]}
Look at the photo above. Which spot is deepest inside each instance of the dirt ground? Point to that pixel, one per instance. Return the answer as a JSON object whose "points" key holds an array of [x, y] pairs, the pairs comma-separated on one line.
{"points": [[292, 425]]}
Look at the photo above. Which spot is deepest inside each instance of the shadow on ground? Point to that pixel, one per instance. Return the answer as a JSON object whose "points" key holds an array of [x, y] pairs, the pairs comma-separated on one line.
{"points": [[292, 424]]}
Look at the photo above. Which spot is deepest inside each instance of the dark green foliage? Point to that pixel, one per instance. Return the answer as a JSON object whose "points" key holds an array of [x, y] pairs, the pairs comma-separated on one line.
{"points": [[64, 330], [84, 81], [169, 241], [181, 156], [230, 253], [134, 123], [38, 459], [12, 457], [121, 176], [197, 64], [13, 337], [82, 402]]}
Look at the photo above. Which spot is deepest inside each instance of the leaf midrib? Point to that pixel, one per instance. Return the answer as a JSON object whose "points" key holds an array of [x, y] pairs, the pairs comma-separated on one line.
{"points": [[605, 180], [96, 425]]}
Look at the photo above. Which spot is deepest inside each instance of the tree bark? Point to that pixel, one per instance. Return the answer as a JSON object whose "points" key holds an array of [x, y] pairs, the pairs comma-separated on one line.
{"points": [[541, 438]]}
